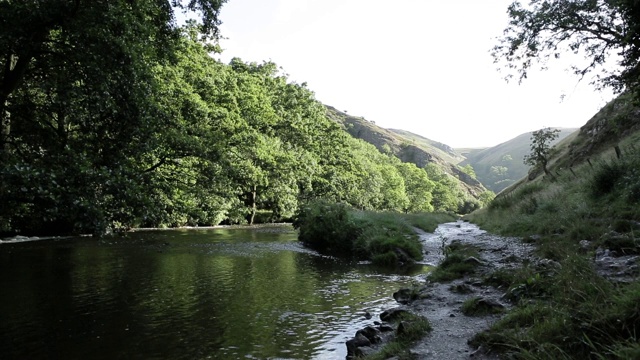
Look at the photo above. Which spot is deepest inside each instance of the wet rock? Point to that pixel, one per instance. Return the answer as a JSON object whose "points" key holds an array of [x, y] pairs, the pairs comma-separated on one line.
{"points": [[405, 296], [385, 328], [370, 333], [461, 289], [393, 314], [367, 315], [532, 238], [474, 260], [549, 264], [488, 305], [358, 341], [365, 351], [585, 245]]}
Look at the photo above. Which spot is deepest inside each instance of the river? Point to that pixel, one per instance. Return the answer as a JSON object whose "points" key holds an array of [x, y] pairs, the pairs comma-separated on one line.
{"points": [[222, 293]]}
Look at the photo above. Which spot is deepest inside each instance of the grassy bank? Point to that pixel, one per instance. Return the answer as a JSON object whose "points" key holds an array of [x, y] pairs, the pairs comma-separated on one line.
{"points": [[386, 238], [564, 308]]}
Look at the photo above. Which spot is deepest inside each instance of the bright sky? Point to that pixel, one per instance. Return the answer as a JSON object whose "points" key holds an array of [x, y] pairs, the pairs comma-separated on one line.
{"points": [[417, 65]]}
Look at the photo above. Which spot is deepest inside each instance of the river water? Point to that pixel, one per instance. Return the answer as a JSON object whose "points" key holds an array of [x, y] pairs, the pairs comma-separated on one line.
{"points": [[246, 293]]}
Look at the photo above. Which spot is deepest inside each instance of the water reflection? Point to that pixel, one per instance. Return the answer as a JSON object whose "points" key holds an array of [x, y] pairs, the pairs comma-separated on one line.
{"points": [[184, 294]]}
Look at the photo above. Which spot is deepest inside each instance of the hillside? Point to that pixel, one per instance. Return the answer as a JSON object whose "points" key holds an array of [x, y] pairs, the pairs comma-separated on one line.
{"points": [[499, 166], [583, 219], [408, 147]]}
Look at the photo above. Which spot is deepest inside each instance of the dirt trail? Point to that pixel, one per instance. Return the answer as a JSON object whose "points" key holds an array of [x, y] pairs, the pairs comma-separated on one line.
{"points": [[451, 328]]}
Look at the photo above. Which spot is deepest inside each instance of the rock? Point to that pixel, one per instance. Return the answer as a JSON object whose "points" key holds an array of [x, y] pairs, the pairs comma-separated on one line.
{"points": [[461, 289], [404, 296], [385, 328], [365, 351], [393, 314], [549, 264], [370, 333], [402, 328], [474, 260], [532, 238], [584, 246], [358, 341], [367, 315], [489, 305]]}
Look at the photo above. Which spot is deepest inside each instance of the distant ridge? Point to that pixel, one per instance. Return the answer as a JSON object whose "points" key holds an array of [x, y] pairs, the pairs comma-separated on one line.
{"points": [[408, 147], [502, 165]]}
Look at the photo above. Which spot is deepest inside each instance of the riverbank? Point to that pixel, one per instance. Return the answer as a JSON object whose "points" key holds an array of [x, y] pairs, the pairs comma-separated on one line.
{"points": [[524, 298], [460, 308]]}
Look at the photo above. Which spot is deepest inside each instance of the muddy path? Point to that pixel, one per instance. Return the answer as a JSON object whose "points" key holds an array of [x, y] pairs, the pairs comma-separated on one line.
{"points": [[441, 303]]}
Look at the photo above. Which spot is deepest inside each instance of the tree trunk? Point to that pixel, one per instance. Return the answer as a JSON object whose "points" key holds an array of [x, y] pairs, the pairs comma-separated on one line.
{"points": [[13, 72], [253, 205], [5, 131]]}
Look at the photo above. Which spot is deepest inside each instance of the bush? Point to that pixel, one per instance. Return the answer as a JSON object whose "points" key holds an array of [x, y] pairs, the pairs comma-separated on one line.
{"points": [[328, 227], [385, 238], [605, 178]]}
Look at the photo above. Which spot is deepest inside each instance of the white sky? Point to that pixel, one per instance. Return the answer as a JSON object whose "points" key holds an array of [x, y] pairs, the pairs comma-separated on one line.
{"points": [[418, 65]]}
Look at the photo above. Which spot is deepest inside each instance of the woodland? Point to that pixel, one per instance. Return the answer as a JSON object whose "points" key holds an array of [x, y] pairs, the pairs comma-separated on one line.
{"points": [[113, 117]]}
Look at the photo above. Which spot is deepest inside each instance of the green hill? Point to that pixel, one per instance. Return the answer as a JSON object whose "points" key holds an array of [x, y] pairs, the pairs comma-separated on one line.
{"points": [[499, 166], [410, 148]]}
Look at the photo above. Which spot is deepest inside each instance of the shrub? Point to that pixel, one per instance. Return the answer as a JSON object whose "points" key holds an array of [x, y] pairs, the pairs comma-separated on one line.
{"points": [[327, 227], [605, 178], [385, 238]]}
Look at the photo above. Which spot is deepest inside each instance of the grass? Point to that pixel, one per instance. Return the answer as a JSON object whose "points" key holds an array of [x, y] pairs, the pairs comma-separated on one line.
{"points": [[455, 266], [427, 221], [385, 238], [563, 308], [411, 328], [477, 306]]}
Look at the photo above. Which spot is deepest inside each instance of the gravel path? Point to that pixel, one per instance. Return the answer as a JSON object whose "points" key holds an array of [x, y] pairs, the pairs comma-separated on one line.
{"points": [[451, 328]]}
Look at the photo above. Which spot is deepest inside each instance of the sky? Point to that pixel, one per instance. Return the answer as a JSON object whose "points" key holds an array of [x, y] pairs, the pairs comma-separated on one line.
{"points": [[417, 65]]}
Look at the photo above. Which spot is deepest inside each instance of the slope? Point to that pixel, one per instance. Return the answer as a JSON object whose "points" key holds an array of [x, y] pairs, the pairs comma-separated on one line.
{"points": [[499, 166], [408, 148]]}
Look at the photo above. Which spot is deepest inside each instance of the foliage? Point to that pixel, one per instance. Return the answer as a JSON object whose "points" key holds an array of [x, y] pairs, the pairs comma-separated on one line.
{"points": [[428, 221], [564, 309], [541, 148], [475, 306], [468, 169], [328, 227], [597, 29], [386, 238], [414, 328], [455, 266], [142, 127]]}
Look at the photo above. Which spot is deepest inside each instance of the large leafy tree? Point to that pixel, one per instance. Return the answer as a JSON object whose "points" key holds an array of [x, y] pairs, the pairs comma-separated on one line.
{"points": [[96, 36], [77, 90], [597, 29]]}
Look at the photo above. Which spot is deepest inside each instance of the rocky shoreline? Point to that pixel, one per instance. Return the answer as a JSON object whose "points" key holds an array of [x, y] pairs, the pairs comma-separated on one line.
{"points": [[441, 303]]}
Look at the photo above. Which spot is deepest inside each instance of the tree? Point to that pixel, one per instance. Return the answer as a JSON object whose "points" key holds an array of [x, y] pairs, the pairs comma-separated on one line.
{"points": [[105, 37], [541, 147], [597, 29], [468, 169]]}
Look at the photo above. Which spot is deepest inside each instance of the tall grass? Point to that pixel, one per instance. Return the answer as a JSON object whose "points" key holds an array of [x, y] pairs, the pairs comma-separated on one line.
{"points": [[386, 238], [568, 311]]}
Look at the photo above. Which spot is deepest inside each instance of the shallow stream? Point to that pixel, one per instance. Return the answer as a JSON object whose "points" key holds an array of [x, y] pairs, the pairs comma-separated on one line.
{"points": [[185, 294]]}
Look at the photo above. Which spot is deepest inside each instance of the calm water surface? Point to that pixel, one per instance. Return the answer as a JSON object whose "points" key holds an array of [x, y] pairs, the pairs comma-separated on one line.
{"points": [[184, 294]]}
